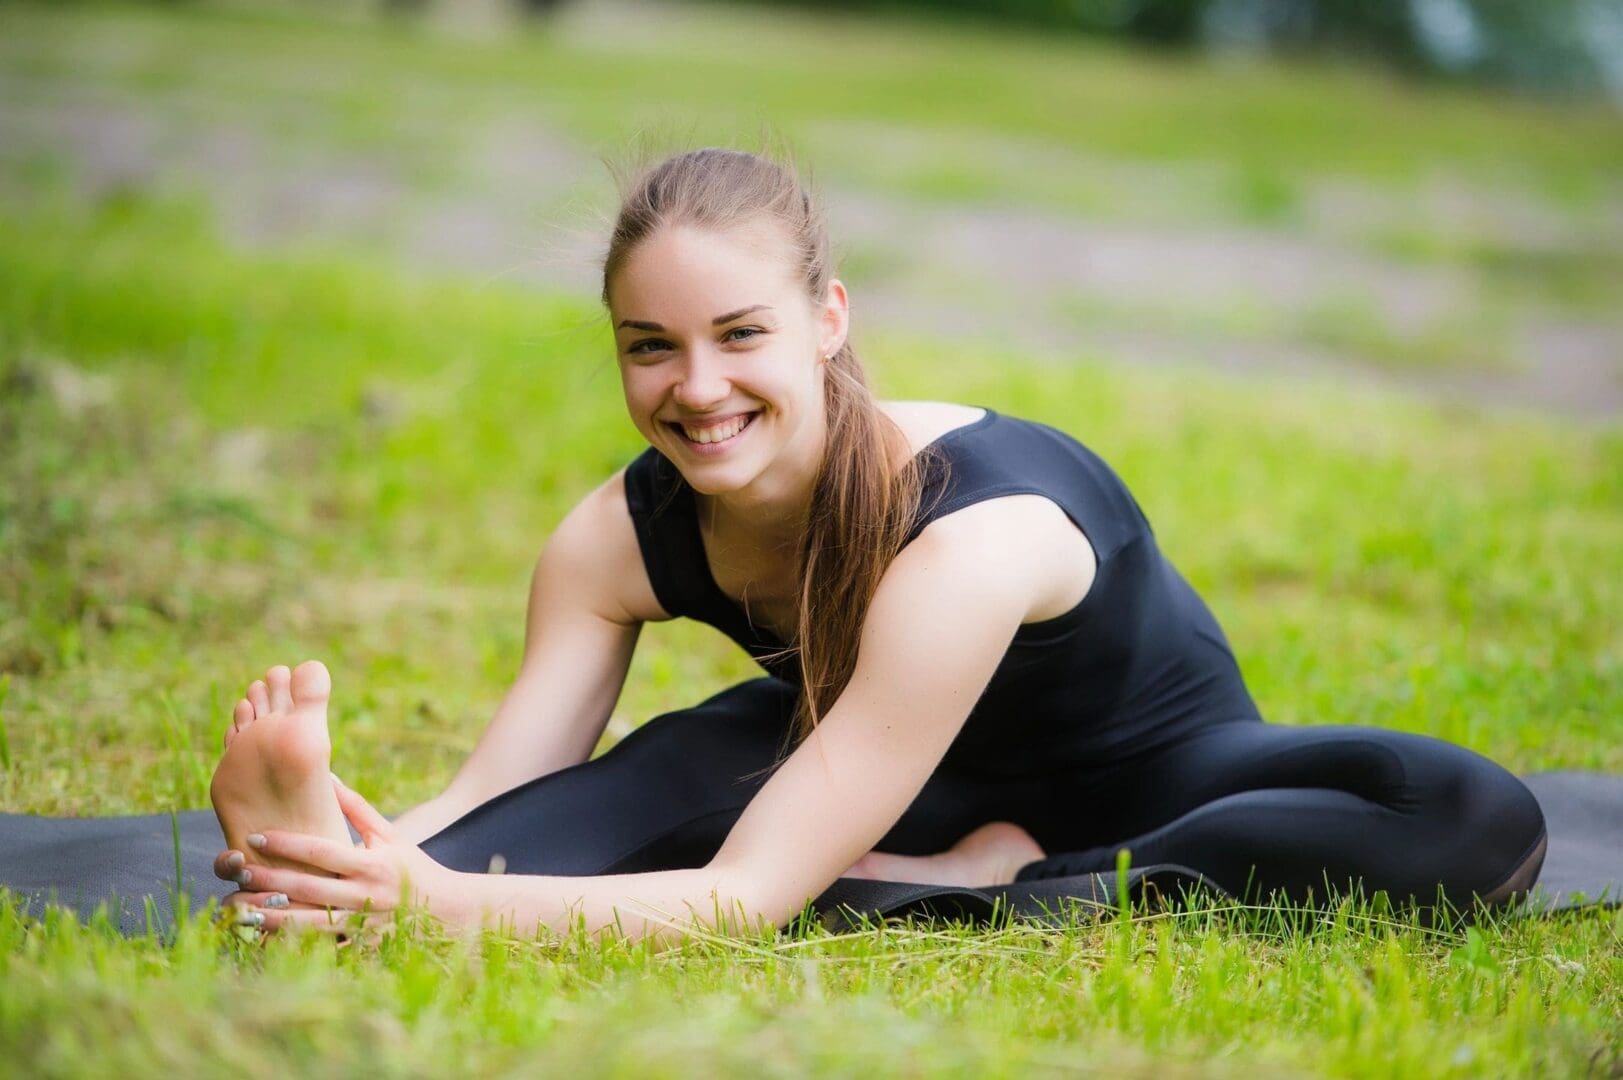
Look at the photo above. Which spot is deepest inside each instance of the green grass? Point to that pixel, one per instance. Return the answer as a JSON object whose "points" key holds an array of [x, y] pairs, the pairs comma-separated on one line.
{"points": [[213, 462], [1211, 992], [1587, 277]]}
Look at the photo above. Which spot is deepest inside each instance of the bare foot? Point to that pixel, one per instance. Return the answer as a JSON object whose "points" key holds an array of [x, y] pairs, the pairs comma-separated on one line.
{"points": [[991, 855], [277, 769]]}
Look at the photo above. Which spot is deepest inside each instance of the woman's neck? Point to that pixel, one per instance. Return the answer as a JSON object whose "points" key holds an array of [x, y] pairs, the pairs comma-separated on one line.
{"points": [[771, 512], [765, 523]]}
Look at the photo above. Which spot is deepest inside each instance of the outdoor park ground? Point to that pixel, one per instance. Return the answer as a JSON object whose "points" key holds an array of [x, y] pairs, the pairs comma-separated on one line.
{"points": [[298, 357]]}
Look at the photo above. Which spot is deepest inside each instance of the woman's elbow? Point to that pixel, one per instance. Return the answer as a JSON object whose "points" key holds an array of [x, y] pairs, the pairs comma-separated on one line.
{"points": [[752, 898]]}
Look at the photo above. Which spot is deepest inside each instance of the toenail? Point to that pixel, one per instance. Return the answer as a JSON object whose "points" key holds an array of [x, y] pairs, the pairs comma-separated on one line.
{"points": [[244, 876], [235, 860], [256, 840], [251, 918], [276, 900]]}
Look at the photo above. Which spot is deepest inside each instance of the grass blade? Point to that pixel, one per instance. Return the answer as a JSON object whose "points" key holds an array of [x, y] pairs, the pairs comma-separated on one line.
{"points": [[5, 745]]}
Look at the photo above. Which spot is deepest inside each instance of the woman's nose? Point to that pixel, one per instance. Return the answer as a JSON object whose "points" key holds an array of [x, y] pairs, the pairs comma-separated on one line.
{"points": [[704, 381]]}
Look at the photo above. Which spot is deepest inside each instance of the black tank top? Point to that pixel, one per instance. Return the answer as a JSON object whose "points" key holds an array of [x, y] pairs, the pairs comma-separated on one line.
{"points": [[1140, 660]]}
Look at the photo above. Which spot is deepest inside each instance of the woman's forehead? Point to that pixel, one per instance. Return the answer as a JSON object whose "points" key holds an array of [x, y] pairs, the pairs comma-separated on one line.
{"points": [[683, 265]]}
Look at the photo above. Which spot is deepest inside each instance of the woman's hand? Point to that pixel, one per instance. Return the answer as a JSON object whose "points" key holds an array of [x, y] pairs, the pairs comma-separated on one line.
{"points": [[372, 880]]}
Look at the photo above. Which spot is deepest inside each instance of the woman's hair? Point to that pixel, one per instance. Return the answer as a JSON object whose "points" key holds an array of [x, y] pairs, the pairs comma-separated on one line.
{"points": [[861, 512]]}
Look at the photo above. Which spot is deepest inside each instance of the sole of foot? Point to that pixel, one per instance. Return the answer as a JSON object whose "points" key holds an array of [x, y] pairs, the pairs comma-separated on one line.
{"points": [[990, 855], [276, 772]]}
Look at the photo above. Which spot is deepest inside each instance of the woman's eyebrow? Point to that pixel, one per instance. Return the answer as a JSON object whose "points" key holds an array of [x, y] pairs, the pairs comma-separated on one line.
{"points": [[643, 324], [731, 315]]}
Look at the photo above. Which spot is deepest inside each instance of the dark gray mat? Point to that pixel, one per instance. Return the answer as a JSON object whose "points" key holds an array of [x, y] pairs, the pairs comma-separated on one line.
{"points": [[1584, 814], [130, 865]]}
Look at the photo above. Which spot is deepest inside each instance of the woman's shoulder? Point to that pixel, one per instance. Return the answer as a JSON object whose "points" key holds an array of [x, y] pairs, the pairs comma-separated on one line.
{"points": [[923, 422], [1035, 475], [601, 534]]}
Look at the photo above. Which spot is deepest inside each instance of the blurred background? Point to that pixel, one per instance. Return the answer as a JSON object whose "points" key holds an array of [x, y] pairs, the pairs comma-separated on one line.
{"points": [[1424, 192]]}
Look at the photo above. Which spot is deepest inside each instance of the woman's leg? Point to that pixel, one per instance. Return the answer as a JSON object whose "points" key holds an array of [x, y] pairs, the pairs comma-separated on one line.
{"points": [[666, 796], [1258, 807], [662, 797]]}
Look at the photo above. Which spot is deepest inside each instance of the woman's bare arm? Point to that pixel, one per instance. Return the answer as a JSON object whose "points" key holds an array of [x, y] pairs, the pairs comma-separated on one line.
{"points": [[589, 596], [939, 624]]}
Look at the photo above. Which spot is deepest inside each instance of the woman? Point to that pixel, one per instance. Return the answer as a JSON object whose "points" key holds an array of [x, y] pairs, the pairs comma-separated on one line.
{"points": [[994, 660]]}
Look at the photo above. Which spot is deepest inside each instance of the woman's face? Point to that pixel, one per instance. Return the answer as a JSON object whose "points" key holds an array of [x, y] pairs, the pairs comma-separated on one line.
{"points": [[712, 331]]}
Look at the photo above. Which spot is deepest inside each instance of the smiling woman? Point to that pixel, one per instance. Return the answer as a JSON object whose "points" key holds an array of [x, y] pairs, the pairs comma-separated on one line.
{"points": [[976, 653]]}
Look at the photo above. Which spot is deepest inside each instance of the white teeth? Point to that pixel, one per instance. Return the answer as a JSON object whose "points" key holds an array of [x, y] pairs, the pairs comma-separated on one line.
{"points": [[718, 433]]}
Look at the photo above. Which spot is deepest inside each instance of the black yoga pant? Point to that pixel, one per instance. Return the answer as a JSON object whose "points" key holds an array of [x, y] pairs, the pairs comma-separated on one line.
{"points": [[1253, 806]]}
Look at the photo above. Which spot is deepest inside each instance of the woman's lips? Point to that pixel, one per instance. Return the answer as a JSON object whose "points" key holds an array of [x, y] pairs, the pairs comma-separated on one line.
{"points": [[715, 447]]}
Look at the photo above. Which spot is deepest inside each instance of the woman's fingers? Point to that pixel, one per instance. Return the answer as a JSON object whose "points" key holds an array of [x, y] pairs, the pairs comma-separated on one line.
{"points": [[272, 920], [345, 924], [367, 821], [301, 887], [314, 851], [227, 863], [326, 920]]}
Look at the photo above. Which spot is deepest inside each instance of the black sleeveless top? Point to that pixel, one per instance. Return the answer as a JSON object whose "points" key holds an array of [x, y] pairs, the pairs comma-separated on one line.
{"points": [[1137, 662]]}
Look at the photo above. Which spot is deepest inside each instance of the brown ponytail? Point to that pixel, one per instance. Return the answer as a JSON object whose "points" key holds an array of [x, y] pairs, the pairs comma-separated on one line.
{"points": [[861, 509]]}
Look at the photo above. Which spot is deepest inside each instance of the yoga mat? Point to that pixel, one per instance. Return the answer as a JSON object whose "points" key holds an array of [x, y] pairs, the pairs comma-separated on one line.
{"points": [[130, 864]]}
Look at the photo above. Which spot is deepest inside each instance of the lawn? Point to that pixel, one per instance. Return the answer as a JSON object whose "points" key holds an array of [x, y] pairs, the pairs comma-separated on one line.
{"points": [[215, 456]]}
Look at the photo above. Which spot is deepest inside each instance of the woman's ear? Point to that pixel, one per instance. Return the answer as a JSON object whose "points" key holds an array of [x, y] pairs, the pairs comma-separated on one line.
{"points": [[835, 319]]}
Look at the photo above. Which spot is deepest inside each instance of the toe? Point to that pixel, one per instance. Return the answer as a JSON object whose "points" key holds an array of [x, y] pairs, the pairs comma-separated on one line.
{"points": [[312, 684], [241, 717], [279, 678], [259, 696]]}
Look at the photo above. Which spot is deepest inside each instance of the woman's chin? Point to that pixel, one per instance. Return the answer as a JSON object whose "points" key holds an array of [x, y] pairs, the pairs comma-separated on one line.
{"points": [[711, 471], [715, 479]]}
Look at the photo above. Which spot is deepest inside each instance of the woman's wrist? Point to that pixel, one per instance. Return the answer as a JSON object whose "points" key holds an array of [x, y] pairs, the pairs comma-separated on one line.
{"points": [[449, 898]]}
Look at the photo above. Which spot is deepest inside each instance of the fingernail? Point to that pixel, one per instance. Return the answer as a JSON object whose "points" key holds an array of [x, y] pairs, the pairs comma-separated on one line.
{"points": [[235, 860], [256, 840], [277, 900], [244, 876], [251, 918], [335, 779]]}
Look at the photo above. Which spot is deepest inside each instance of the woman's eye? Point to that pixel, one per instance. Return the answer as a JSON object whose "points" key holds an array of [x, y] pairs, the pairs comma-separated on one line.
{"points": [[659, 343]]}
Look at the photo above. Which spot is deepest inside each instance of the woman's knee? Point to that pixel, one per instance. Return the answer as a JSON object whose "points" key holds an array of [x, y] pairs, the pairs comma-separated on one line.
{"points": [[1493, 824], [1509, 824]]}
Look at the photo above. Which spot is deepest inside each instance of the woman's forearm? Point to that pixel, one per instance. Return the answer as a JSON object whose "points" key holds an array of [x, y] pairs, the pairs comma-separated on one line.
{"points": [[661, 904]]}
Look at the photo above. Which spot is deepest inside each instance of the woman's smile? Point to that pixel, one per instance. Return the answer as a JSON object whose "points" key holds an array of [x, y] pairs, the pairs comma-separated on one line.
{"points": [[714, 439]]}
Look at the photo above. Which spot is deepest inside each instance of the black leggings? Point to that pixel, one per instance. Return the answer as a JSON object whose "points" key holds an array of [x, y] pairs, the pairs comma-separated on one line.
{"points": [[1253, 806]]}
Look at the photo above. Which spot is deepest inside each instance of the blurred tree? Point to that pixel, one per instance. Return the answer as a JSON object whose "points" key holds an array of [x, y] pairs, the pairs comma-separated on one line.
{"points": [[411, 8], [1551, 45]]}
